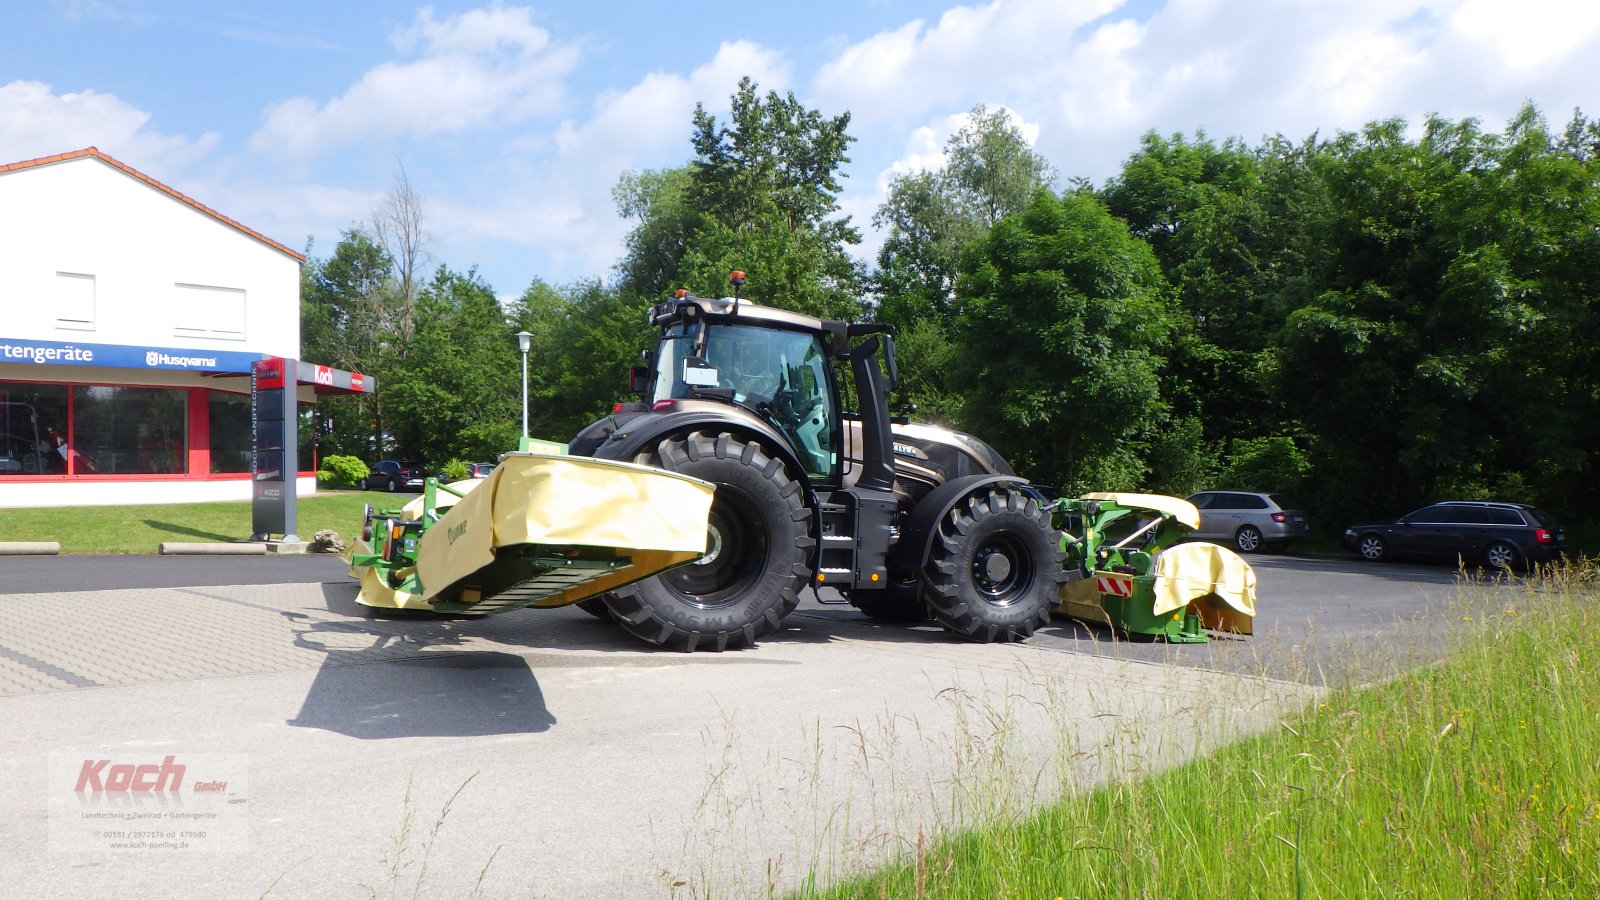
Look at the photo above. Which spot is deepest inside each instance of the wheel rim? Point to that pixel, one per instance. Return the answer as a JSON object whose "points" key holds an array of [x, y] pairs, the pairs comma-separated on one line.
{"points": [[1249, 539], [1371, 548], [736, 555], [1002, 570], [1500, 556]]}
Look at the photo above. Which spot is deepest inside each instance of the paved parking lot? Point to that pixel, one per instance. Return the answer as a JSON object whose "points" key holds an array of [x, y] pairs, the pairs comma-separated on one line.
{"points": [[584, 763]]}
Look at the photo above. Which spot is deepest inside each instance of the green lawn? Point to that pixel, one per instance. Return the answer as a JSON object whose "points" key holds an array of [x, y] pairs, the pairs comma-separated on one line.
{"points": [[141, 529], [1479, 777]]}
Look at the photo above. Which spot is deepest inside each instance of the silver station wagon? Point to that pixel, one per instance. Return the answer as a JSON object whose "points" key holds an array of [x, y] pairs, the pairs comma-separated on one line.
{"points": [[1251, 521]]}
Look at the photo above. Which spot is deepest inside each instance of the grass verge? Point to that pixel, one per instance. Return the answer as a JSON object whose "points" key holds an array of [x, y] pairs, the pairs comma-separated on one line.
{"points": [[140, 529], [1476, 777]]}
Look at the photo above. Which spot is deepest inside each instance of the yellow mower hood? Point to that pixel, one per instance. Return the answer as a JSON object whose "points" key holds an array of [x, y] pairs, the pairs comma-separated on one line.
{"points": [[652, 518], [1220, 579]]}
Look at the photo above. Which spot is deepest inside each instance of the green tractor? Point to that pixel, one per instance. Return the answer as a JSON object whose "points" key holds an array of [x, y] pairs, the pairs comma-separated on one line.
{"points": [[904, 520]]}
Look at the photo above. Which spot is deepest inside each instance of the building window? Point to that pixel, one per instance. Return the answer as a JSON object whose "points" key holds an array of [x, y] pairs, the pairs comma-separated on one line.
{"points": [[33, 426], [74, 301], [209, 312], [230, 432], [131, 431]]}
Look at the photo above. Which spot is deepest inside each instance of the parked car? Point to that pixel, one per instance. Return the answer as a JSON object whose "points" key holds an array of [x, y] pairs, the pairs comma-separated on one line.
{"points": [[1249, 520], [1497, 535], [479, 470], [394, 475]]}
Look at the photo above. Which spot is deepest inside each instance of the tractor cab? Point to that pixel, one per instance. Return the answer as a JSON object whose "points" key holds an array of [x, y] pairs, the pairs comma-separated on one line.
{"points": [[781, 375]]}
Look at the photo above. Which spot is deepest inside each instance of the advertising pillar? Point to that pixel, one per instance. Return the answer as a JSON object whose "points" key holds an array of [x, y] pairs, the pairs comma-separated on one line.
{"points": [[274, 436]]}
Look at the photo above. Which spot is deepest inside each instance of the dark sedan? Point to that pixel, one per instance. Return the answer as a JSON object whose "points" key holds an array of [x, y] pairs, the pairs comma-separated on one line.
{"points": [[394, 475], [1497, 535]]}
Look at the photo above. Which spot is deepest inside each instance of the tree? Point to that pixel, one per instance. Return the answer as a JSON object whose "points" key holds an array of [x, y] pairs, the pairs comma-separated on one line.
{"points": [[455, 396], [1064, 316], [761, 196], [397, 225], [585, 337], [659, 202], [990, 172], [343, 302], [1448, 349]]}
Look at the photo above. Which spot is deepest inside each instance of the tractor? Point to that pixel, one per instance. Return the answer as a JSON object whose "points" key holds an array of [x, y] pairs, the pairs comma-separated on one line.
{"points": [[904, 520]]}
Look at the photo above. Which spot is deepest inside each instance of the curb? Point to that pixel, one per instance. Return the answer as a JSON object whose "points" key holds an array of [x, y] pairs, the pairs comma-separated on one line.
{"points": [[30, 548], [167, 548]]}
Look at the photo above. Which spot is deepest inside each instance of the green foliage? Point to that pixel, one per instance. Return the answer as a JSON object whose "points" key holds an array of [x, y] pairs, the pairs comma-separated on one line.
{"points": [[761, 196], [1265, 464], [989, 173], [341, 471], [456, 393], [454, 470], [1064, 318], [585, 338]]}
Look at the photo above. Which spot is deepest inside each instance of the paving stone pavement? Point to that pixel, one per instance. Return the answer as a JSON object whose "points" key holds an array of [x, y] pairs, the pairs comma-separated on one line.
{"points": [[601, 767]]}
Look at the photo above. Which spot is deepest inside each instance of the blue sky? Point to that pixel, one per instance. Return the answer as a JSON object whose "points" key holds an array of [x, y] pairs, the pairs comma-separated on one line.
{"points": [[513, 121]]}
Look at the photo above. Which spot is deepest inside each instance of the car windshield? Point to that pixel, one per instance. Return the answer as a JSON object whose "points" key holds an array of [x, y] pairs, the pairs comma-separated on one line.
{"points": [[1545, 519], [1284, 501]]}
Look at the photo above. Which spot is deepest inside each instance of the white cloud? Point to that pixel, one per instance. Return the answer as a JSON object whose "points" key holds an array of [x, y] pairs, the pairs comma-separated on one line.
{"points": [[484, 68], [556, 190], [901, 74], [35, 121], [1529, 34]]}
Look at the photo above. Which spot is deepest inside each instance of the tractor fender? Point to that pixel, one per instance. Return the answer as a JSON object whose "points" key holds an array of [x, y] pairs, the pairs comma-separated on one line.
{"points": [[640, 435], [910, 552]]}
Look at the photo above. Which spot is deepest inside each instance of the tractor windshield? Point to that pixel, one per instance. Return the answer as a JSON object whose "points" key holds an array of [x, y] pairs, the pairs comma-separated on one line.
{"points": [[784, 374]]}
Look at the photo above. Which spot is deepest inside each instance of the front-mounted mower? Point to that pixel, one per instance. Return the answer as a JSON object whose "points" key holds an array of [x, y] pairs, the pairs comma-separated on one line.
{"points": [[1135, 577], [544, 530]]}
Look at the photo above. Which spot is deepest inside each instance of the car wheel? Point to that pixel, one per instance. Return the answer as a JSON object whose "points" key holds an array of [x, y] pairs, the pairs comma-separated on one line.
{"points": [[1372, 548], [1500, 556], [1247, 539], [361, 485], [394, 486]]}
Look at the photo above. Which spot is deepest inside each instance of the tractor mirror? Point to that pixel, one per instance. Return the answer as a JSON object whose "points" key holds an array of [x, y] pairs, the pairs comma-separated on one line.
{"points": [[638, 380]]}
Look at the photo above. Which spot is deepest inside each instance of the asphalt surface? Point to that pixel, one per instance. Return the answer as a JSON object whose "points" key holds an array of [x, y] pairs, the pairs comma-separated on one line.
{"points": [[545, 753]]}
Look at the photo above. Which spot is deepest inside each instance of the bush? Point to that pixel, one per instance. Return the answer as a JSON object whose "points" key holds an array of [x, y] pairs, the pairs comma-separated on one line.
{"points": [[454, 470], [341, 471], [1265, 464]]}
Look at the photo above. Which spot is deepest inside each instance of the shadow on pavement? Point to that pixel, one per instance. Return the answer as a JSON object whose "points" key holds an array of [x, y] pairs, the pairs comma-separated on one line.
{"points": [[456, 695]]}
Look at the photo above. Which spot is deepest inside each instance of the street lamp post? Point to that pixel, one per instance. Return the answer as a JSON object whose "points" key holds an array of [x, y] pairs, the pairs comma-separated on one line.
{"points": [[524, 340]]}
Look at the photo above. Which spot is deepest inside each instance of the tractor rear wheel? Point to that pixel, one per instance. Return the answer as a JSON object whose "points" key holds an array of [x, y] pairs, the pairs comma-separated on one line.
{"points": [[758, 544], [995, 568]]}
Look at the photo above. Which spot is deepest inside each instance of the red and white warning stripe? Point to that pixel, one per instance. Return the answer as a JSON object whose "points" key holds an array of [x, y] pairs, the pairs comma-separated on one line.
{"points": [[1122, 587]]}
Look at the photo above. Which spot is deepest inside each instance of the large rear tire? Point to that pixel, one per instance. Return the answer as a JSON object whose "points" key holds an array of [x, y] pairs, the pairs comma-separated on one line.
{"points": [[757, 551], [996, 567]]}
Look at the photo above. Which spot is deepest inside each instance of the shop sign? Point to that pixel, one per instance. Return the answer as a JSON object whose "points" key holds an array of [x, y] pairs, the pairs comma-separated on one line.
{"points": [[124, 356]]}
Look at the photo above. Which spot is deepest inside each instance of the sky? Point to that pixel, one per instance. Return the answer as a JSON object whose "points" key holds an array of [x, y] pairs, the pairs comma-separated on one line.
{"points": [[513, 122]]}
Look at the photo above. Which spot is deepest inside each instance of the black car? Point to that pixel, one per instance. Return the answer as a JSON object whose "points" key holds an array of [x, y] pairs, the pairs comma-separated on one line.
{"points": [[1497, 535], [394, 475]]}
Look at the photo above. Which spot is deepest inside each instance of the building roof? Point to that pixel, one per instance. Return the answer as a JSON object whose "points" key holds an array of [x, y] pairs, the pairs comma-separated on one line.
{"points": [[92, 152]]}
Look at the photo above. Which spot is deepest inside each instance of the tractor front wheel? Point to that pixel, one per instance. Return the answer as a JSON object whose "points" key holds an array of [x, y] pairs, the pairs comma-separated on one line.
{"points": [[996, 567], [758, 543]]}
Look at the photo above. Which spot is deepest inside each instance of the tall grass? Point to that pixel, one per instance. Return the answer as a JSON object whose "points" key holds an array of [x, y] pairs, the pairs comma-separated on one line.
{"points": [[1475, 777]]}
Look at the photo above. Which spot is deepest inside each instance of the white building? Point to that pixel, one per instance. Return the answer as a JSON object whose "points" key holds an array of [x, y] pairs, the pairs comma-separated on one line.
{"points": [[130, 316]]}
